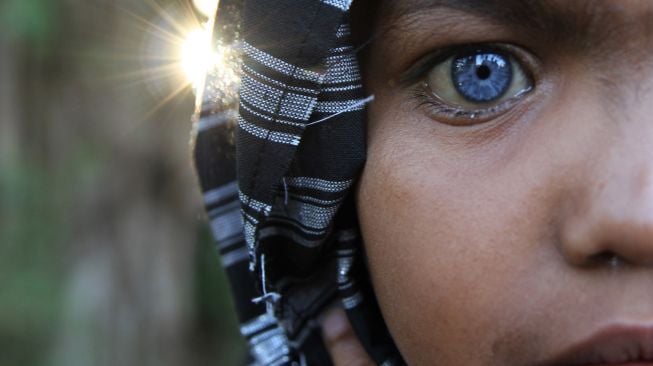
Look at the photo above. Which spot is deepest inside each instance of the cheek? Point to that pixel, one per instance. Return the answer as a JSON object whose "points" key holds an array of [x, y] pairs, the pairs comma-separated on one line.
{"points": [[453, 252], [443, 261]]}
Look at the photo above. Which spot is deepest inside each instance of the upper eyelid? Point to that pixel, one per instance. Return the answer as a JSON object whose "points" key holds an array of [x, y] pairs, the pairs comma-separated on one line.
{"points": [[420, 68]]}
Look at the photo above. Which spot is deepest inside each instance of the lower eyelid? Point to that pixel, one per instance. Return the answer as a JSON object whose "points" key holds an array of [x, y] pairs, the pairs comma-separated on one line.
{"points": [[446, 114], [481, 133]]}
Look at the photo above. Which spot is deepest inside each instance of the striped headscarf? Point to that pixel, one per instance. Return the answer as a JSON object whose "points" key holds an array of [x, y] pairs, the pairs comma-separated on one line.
{"points": [[277, 163]]}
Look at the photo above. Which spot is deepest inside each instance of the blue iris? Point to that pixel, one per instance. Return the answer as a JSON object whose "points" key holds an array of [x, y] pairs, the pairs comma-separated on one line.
{"points": [[482, 77]]}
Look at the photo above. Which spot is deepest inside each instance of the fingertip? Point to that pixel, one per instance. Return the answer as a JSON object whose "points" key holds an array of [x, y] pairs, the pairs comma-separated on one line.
{"points": [[341, 341], [335, 325]]}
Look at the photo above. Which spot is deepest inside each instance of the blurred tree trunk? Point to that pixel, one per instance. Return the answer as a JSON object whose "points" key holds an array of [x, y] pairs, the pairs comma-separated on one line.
{"points": [[130, 287], [119, 176], [8, 103]]}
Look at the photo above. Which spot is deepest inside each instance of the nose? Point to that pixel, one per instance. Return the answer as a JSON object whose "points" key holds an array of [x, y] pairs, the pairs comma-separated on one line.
{"points": [[615, 216]]}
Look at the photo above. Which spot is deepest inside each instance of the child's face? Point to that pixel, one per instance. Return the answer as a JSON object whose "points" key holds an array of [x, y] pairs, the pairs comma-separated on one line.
{"points": [[507, 237]]}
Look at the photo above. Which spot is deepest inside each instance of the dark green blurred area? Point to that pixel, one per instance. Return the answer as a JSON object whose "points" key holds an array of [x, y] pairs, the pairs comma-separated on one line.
{"points": [[105, 254]]}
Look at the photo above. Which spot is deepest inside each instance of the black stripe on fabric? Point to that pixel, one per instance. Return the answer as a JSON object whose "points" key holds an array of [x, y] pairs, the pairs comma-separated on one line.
{"points": [[305, 25], [231, 247], [214, 155], [243, 290], [295, 226], [266, 175], [334, 150], [214, 208], [340, 95], [301, 265], [298, 193]]}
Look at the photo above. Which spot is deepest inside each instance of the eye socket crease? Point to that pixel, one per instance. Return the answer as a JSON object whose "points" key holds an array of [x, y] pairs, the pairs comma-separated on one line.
{"points": [[570, 22]]}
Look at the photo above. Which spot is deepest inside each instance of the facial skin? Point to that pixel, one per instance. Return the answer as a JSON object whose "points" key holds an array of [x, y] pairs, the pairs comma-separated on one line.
{"points": [[493, 242]]}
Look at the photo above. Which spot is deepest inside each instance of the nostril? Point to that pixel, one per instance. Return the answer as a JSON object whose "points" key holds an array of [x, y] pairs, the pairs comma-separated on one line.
{"points": [[606, 258]]}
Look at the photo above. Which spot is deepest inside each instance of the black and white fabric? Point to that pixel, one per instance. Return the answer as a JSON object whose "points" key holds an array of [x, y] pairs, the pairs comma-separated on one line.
{"points": [[277, 166]]}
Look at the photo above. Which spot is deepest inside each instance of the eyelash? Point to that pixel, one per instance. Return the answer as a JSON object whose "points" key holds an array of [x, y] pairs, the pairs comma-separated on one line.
{"points": [[453, 115], [437, 107]]}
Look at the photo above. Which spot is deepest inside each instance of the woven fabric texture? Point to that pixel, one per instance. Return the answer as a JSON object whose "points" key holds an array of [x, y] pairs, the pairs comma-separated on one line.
{"points": [[277, 177]]}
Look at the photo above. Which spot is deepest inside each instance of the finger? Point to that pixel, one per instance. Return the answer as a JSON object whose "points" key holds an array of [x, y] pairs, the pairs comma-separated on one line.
{"points": [[341, 342]]}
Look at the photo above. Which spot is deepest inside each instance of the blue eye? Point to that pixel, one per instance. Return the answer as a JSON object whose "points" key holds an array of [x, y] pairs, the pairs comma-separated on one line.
{"points": [[481, 77], [476, 84]]}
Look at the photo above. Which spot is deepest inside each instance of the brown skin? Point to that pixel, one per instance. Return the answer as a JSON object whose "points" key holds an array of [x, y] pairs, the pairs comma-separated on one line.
{"points": [[489, 243]]}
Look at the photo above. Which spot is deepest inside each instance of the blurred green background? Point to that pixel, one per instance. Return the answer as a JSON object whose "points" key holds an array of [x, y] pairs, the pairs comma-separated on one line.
{"points": [[105, 254]]}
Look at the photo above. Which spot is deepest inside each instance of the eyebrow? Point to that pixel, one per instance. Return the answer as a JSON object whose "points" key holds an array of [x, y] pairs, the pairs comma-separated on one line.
{"points": [[568, 21]]}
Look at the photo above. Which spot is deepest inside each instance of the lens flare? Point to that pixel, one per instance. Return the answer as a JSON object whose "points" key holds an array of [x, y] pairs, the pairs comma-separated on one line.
{"points": [[206, 7], [174, 53], [196, 55]]}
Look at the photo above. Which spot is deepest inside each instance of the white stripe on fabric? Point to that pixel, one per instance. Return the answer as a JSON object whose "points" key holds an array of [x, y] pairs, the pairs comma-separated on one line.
{"points": [[343, 49], [319, 184], [346, 285], [257, 324], [249, 232], [270, 346], [245, 106], [239, 255], [218, 194], [227, 224], [275, 101], [352, 301], [348, 251], [281, 362], [340, 4], [342, 88], [248, 71], [341, 64], [254, 204], [312, 199], [265, 134], [279, 65], [342, 69], [313, 216], [344, 267], [347, 235], [338, 106], [343, 31]]}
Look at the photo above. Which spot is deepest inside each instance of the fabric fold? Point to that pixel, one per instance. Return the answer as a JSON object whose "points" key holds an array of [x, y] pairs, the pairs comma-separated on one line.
{"points": [[277, 178]]}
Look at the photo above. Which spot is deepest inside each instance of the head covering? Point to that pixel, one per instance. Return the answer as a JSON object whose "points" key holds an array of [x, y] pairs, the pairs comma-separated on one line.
{"points": [[277, 164]]}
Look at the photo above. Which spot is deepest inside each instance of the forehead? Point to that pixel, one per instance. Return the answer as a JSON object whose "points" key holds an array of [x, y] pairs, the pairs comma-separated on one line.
{"points": [[581, 8]]}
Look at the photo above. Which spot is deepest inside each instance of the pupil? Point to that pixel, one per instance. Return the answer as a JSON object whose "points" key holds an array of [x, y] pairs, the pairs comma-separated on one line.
{"points": [[481, 77], [483, 72]]}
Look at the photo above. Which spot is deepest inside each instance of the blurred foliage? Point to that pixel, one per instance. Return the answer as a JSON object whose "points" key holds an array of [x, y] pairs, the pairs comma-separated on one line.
{"points": [[97, 196], [211, 285], [30, 271], [30, 20]]}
